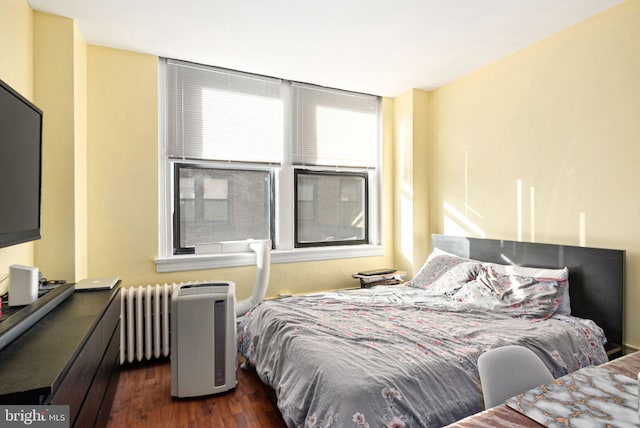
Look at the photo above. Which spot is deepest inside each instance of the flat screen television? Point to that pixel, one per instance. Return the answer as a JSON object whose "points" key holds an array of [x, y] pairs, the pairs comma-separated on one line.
{"points": [[20, 167]]}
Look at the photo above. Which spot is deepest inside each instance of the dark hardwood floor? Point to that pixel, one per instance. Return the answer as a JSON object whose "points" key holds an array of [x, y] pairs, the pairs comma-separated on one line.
{"points": [[143, 399]]}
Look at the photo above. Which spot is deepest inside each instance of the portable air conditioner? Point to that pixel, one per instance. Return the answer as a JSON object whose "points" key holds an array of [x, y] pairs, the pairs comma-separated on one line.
{"points": [[203, 339]]}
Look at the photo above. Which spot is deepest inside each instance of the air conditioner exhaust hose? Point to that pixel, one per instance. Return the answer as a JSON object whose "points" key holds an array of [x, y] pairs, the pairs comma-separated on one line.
{"points": [[263, 265]]}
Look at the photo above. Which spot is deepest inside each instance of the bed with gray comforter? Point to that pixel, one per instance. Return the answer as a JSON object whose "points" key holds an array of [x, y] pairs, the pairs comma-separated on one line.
{"points": [[406, 355]]}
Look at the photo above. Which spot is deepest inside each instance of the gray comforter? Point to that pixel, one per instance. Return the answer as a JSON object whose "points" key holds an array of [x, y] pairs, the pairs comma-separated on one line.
{"points": [[393, 356]]}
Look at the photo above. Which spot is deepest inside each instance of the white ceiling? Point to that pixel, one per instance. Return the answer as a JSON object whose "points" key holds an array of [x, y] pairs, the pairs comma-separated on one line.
{"points": [[382, 47]]}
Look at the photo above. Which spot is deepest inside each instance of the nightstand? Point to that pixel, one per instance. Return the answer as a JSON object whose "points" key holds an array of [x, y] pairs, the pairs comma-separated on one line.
{"points": [[379, 277]]}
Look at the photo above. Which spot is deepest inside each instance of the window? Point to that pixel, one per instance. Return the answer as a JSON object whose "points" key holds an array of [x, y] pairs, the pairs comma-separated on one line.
{"points": [[248, 156], [331, 208], [215, 204]]}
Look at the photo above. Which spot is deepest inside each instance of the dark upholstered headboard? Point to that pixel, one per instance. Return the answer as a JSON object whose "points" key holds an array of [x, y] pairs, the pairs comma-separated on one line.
{"points": [[596, 276]]}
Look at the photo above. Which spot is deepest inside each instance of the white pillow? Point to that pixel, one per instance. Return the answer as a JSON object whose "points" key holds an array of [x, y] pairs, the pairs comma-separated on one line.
{"points": [[444, 272], [556, 274]]}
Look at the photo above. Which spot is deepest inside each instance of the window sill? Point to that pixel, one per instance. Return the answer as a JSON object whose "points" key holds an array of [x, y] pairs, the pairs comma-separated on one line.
{"points": [[214, 261]]}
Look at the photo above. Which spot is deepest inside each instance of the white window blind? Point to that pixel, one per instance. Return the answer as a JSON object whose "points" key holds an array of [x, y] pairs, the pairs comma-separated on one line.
{"points": [[218, 114], [334, 128]]}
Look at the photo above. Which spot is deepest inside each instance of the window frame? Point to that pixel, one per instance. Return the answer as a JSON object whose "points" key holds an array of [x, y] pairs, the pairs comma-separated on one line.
{"points": [[177, 165], [284, 250], [308, 172]]}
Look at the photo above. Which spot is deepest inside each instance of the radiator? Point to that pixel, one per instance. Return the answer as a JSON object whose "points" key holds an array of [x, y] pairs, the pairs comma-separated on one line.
{"points": [[145, 322]]}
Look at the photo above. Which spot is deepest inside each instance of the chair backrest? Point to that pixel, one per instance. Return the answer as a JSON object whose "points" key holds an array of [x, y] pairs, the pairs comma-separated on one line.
{"points": [[510, 370]]}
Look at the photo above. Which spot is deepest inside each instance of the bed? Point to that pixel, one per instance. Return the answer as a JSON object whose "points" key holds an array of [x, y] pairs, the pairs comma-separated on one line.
{"points": [[406, 355]]}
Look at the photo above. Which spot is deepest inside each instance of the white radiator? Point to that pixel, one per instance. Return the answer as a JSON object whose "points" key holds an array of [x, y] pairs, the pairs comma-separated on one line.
{"points": [[145, 322]]}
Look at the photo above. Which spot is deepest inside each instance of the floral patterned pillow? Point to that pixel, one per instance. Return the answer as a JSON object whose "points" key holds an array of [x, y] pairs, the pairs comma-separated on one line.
{"points": [[519, 296], [444, 273], [453, 279], [542, 273]]}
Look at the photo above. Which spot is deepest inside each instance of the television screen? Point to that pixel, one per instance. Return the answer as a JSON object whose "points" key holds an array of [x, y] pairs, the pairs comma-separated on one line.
{"points": [[20, 167]]}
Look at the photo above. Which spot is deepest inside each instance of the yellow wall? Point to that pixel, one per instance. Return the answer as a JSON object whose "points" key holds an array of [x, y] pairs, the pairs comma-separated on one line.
{"points": [[16, 69], [80, 214], [559, 120], [123, 187], [411, 182], [54, 93], [45, 55], [100, 167], [100, 163], [122, 164]]}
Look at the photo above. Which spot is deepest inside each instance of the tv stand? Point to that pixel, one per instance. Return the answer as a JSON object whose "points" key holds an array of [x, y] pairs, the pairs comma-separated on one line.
{"points": [[70, 356]]}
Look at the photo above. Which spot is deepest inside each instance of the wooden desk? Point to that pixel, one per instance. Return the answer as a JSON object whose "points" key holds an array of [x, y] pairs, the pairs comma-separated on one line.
{"points": [[503, 416]]}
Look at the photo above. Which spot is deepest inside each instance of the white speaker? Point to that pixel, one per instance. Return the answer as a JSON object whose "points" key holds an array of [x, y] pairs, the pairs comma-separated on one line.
{"points": [[23, 285]]}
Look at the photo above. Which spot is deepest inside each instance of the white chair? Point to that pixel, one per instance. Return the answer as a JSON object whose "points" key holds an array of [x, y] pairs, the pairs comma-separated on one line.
{"points": [[508, 371]]}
